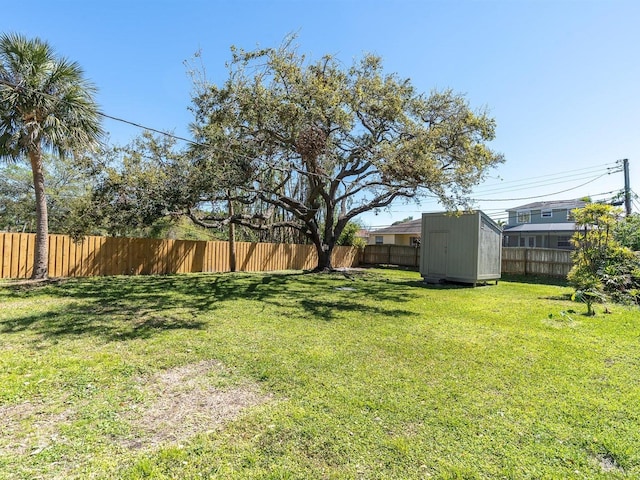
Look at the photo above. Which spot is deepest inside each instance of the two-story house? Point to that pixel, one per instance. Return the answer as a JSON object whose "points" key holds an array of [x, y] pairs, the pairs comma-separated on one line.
{"points": [[541, 224]]}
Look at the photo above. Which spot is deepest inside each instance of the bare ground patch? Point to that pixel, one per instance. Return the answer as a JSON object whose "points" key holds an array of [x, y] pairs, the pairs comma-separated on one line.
{"points": [[30, 427], [608, 463], [182, 402], [185, 403]]}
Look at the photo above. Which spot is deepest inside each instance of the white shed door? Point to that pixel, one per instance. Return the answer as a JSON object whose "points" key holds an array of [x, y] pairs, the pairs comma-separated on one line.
{"points": [[437, 264]]}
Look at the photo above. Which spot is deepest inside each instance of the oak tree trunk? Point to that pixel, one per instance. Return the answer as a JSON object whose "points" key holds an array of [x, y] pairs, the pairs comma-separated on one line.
{"points": [[324, 258]]}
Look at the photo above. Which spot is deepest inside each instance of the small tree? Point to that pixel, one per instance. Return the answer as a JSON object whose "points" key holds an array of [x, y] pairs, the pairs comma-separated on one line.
{"points": [[601, 267], [350, 237]]}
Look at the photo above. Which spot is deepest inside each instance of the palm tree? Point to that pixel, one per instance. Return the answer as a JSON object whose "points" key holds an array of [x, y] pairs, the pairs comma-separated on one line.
{"points": [[46, 105]]}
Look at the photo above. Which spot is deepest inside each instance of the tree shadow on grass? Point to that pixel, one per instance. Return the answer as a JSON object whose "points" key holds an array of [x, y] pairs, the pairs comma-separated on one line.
{"points": [[329, 311], [75, 320], [536, 280], [114, 308], [123, 308], [565, 297]]}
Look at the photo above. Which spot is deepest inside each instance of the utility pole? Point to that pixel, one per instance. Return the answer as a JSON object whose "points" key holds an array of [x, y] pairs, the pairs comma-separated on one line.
{"points": [[627, 187]]}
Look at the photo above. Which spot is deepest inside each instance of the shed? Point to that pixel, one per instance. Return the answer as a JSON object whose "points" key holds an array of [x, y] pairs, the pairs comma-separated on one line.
{"points": [[462, 248]]}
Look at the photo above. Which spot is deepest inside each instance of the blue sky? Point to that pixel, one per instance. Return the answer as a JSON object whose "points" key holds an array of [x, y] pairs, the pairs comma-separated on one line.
{"points": [[561, 78]]}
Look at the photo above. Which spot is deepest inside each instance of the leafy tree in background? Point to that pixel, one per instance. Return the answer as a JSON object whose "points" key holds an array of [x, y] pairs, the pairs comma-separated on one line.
{"points": [[325, 143], [67, 192], [149, 188], [45, 105], [349, 235], [627, 232]]}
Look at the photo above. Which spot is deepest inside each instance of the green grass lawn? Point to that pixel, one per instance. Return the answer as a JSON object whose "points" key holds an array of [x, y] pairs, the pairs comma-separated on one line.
{"points": [[289, 375]]}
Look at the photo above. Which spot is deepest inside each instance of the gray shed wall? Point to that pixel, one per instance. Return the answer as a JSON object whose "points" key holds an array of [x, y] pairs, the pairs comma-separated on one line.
{"points": [[465, 248]]}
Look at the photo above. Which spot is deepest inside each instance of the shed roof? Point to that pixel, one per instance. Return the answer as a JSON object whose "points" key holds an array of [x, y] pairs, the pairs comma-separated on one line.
{"points": [[551, 204], [412, 227]]}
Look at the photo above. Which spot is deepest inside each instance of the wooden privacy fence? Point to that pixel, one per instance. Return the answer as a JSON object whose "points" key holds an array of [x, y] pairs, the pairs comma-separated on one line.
{"points": [[536, 261], [392, 255], [101, 256], [515, 260]]}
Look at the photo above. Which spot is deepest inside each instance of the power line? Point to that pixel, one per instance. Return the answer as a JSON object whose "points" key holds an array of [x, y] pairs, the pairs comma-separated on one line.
{"points": [[561, 180], [539, 196], [572, 172], [167, 134]]}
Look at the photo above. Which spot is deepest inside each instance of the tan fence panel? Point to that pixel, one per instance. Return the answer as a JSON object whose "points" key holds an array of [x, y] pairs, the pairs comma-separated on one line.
{"points": [[392, 254], [536, 261], [100, 256]]}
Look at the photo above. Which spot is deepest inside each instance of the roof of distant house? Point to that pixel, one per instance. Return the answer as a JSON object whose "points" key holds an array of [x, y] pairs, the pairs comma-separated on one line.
{"points": [[550, 205], [411, 227], [541, 227]]}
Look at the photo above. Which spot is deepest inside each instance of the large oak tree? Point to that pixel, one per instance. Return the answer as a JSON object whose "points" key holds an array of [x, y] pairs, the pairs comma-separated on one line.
{"points": [[325, 143]]}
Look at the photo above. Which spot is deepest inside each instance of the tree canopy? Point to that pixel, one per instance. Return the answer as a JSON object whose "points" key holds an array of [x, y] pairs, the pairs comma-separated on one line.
{"points": [[323, 143]]}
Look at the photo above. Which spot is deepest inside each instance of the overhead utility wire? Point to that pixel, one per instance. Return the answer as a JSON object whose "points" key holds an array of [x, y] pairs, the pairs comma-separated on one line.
{"points": [[523, 182], [538, 196], [548, 179], [542, 184], [170, 135], [102, 114]]}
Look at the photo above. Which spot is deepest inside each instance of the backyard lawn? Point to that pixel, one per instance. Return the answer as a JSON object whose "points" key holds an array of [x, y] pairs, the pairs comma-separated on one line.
{"points": [[288, 375]]}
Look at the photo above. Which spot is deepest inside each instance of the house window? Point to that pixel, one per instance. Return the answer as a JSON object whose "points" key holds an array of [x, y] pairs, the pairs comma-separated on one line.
{"points": [[570, 216], [524, 217], [547, 213], [564, 241], [529, 242], [379, 239]]}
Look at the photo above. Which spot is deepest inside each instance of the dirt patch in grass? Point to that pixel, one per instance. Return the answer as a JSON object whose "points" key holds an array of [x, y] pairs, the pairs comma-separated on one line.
{"points": [[181, 402], [608, 463], [30, 427], [184, 403]]}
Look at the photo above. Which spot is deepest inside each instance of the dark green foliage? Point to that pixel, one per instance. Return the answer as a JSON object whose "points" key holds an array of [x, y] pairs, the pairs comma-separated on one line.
{"points": [[349, 235], [627, 232]]}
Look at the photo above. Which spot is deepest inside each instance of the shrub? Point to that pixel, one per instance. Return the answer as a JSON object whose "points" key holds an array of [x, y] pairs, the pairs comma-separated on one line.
{"points": [[602, 268]]}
